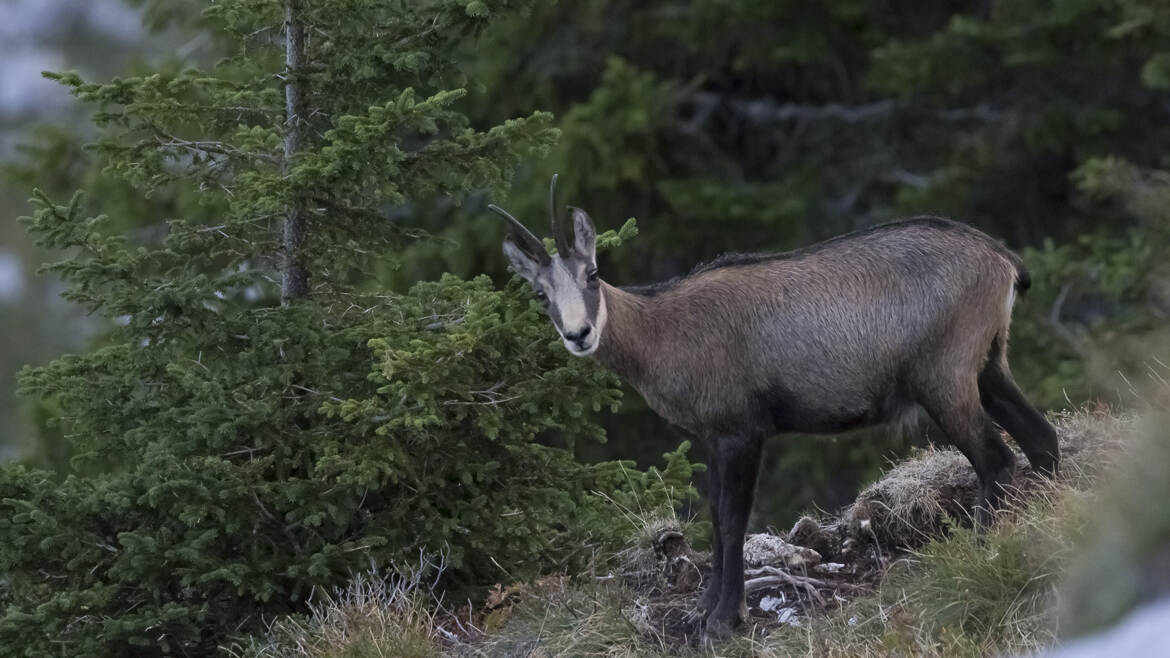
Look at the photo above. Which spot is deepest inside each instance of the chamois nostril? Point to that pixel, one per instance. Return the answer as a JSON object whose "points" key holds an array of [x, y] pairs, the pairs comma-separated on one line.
{"points": [[580, 335]]}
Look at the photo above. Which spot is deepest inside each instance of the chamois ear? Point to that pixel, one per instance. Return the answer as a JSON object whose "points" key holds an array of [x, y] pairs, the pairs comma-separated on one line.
{"points": [[521, 262], [584, 235]]}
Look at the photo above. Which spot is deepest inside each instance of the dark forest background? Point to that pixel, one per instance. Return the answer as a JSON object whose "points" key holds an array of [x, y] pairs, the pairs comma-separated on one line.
{"points": [[260, 442]]}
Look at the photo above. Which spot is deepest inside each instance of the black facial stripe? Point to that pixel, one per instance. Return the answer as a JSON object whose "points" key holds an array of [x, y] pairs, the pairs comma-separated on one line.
{"points": [[592, 299]]}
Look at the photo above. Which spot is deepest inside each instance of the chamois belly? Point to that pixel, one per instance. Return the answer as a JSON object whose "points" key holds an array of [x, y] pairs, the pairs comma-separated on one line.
{"points": [[718, 407], [830, 407], [792, 414]]}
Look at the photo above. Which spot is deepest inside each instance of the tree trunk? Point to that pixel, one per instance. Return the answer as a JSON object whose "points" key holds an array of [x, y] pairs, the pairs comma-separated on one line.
{"points": [[294, 280]]}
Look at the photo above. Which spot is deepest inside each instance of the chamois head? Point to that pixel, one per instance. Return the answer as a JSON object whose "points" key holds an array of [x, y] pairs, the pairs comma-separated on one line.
{"points": [[566, 282]]}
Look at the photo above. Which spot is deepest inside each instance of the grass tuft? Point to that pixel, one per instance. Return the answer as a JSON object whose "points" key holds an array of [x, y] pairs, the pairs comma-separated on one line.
{"points": [[374, 617]]}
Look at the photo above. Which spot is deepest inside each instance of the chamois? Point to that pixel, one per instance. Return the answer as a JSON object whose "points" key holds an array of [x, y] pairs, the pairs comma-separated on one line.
{"points": [[851, 332]]}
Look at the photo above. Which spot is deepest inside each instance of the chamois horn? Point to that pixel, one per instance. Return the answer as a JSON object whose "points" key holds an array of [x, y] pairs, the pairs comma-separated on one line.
{"points": [[530, 243], [558, 229]]}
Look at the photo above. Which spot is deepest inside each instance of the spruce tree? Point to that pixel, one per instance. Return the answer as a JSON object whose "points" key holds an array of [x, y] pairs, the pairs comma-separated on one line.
{"points": [[262, 420]]}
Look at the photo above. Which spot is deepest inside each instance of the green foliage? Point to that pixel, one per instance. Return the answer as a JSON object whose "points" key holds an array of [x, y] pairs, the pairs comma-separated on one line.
{"points": [[228, 455], [234, 497], [609, 138], [1103, 297]]}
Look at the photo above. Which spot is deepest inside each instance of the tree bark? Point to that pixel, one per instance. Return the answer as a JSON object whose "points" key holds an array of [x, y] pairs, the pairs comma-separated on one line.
{"points": [[294, 281]]}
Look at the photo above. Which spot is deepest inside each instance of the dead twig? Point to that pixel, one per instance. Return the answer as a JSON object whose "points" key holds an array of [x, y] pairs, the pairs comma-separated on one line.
{"points": [[772, 576]]}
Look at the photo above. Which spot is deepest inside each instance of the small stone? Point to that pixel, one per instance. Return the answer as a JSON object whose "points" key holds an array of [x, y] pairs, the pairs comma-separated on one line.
{"points": [[777, 605], [788, 616], [769, 550], [773, 603]]}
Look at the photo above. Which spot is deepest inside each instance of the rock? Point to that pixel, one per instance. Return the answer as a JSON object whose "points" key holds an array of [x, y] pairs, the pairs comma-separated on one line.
{"points": [[769, 550]]}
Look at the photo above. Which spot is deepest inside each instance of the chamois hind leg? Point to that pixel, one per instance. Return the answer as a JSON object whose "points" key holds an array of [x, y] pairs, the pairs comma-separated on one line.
{"points": [[739, 465], [957, 411], [710, 597], [1008, 406]]}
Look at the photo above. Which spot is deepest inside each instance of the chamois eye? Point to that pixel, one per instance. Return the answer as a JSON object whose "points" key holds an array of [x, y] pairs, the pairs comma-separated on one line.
{"points": [[541, 296], [591, 275]]}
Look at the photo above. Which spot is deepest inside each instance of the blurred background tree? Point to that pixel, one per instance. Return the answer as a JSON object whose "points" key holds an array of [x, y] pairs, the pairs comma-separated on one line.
{"points": [[769, 124]]}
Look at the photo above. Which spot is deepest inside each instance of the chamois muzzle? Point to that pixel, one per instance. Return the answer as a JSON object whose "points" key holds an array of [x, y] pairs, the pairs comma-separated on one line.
{"points": [[579, 340]]}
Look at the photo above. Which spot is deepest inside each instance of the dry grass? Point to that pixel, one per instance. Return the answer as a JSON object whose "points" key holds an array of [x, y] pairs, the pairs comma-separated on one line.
{"points": [[584, 619], [374, 617], [916, 581], [918, 499]]}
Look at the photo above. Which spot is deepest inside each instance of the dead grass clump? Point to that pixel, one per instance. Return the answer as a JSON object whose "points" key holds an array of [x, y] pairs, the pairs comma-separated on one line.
{"points": [[633, 603], [1092, 441], [659, 559], [374, 616], [600, 619], [919, 498], [913, 501]]}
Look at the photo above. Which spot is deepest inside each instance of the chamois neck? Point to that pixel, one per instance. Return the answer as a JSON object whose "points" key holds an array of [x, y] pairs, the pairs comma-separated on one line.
{"points": [[624, 339]]}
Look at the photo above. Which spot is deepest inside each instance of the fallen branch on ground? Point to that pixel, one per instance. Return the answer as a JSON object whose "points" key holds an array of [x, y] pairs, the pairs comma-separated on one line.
{"points": [[773, 576]]}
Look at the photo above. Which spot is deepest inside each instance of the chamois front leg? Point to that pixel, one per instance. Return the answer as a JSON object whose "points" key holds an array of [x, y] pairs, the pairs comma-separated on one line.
{"points": [[739, 464], [710, 597]]}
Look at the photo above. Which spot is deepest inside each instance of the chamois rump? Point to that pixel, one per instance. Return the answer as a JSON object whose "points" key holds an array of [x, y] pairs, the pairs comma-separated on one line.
{"points": [[847, 333]]}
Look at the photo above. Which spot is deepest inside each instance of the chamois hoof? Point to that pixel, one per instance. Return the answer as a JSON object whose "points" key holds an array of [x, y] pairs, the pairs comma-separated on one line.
{"points": [[721, 624], [717, 631], [1046, 465]]}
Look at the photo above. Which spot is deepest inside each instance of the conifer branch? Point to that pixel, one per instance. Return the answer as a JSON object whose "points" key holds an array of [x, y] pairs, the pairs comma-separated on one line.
{"points": [[295, 276]]}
